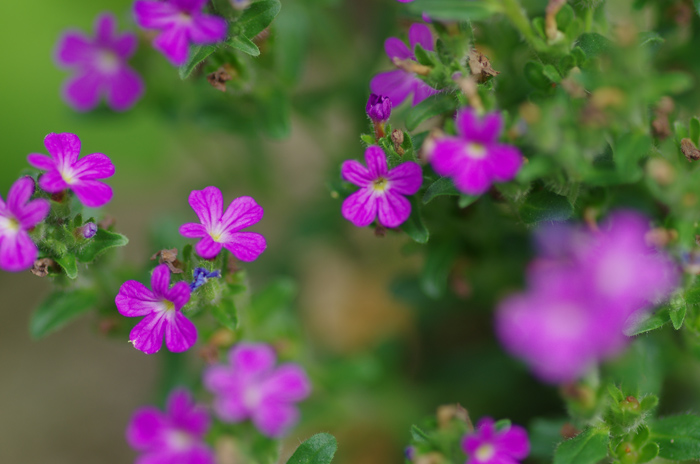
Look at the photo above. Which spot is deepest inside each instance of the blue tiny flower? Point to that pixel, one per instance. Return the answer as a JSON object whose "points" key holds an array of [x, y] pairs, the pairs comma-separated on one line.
{"points": [[201, 276]]}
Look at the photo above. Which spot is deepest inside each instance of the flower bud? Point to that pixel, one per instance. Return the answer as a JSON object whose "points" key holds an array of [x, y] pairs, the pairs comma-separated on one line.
{"points": [[378, 108], [88, 230]]}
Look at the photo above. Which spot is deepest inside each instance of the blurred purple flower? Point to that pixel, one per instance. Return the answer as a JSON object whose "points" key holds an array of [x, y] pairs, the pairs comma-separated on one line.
{"points": [[219, 230], [162, 307], [176, 436], [100, 67], [17, 216], [474, 159], [486, 445], [583, 292], [65, 170], [252, 387], [398, 84], [181, 22], [382, 193]]}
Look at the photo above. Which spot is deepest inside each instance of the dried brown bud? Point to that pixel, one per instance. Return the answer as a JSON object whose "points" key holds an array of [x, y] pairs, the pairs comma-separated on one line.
{"points": [[568, 431], [689, 149], [218, 78], [222, 338], [397, 137], [480, 66], [449, 412], [209, 353], [169, 257], [41, 267], [660, 237], [665, 105], [550, 20], [661, 171], [380, 231]]}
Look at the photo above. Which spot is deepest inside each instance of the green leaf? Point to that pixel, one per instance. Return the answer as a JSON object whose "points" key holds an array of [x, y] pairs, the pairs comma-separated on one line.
{"points": [[414, 226], [257, 17], [319, 449], [442, 186], [695, 130], [466, 200], [696, 3], [454, 10], [418, 435], [545, 206], [58, 309], [677, 311], [672, 83], [647, 323], [627, 152], [678, 437], [422, 56], [428, 108], [534, 73], [649, 402], [198, 53], [244, 44], [551, 73], [225, 313], [692, 294], [276, 114], [647, 453], [437, 267], [292, 35], [588, 447], [69, 265], [593, 44], [616, 393], [101, 242]]}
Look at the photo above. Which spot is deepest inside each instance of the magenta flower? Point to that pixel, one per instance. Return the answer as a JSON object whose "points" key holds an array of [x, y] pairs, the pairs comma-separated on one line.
{"points": [[398, 84], [176, 436], [181, 22], [382, 193], [252, 387], [219, 230], [65, 170], [474, 159], [17, 216], [378, 108], [162, 307], [486, 445], [100, 67]]}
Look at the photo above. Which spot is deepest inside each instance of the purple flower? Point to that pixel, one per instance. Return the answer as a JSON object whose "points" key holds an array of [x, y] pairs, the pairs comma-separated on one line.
{"points": [[17, 216], [583, 292], [162, 307], [181, 22], [398, 84], [88, 230], [252, 387], [65, 170], [201, 276], [100, 67], [176, 436], [378, 108], [219, 230], [486, 445], [382, 193], [474, 159]]}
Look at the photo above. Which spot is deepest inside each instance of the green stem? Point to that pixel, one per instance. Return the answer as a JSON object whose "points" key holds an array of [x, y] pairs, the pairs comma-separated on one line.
{"points": [[588, 19], [517, 16]]}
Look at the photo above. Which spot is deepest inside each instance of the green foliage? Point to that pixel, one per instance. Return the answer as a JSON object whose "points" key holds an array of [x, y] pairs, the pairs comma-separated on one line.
{"points": [[589, 447], [198, 53], [442, 186], [545, 206], [678, 437], [59, 308], [414, 225], [99, 244], [429, 108], [319, 449]]}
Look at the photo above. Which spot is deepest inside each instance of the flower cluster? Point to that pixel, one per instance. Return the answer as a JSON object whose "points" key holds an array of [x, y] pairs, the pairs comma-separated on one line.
{"points": [[489, 445], [582, 292]]}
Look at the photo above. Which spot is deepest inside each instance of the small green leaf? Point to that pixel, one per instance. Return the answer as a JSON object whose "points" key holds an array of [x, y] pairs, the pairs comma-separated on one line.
{"points": [[101, 242], [649, 402], [422, 56], [69, 265], [695, 130], [545, 206], [588, 447], [534, 73], [319, 449], [225, 313], [437, 267], [593, 44], [243, 44], [615, 393], [442, 186], [677, 316], [257, 17], [430, 107], [647, 453], [565, 16], [692, 294], [414, 226], [503, 424], [678, 437], [198, 53], [466, 200], [58, 309], [454, 10], [418, 435], [647, 323], [551, 73]]}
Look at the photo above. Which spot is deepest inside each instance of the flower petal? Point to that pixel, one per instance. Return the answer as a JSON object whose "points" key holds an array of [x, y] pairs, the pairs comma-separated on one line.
{"points": [[52, 182], [65, 148], [43, 162], [396, 85], [92, 193], [241, 213], [191, 6], [145, 430], [154, 15], [33, 213], [17, 251], [192, 230], [74, 48], [479, 130], [514, 442], [105, 28], [275, 419], [82, 91], [252, 359], [208, 205], [208, 29], [246, 246], [422, 91], [220, 379], [179, 294], [124, 89], [147, 335], [406, 178], [353, 171], [172, 42], [134, 299], [375, 158], [288, 383], [392, 209], [125, 45], [207, 248], [472, 177], [186, 414], [395, 48], [420, 34], [19, 194], [160, 281], [447, 155], [94, 166], [504, 162], [180, 332], [360, 208]]}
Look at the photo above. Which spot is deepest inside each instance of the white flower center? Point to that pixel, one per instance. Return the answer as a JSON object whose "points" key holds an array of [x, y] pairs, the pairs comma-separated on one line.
{"points": [[251, 397], [485, 452], [475, 151], [68, 175], [217, 234], [380, 184], [107, 62], [9, 225], [179, 440]]}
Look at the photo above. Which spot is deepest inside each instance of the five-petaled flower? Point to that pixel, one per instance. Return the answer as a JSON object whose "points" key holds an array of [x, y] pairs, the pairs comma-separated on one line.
{"points": [[17, 216], [251, 387], [398, 84], [383, 190], [65, 170], [181, 22], [176, 436], [474, 159], [100, 67], [487, 445], [219, 230], [162, 307]]}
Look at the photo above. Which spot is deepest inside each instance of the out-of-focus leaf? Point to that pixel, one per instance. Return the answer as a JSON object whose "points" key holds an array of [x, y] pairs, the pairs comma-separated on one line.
{"points": [[292, 30], [454, 10], [436, 269], [225, 313], [678, 437], [588, 447], [414, 226], [58, 309], [257, 17], [198, 53], [244, 44], [545, 206], [101, 242], [442, 186], [647, 323], [277, 114], [695, 130], [430, 107], [319, 449], [593, 44]]}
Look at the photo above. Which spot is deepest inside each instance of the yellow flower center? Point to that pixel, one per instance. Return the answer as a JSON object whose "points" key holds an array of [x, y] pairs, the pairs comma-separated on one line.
{"points": [[67, 176], [168, 305], [9, 224], [485, 452], [380, 184]]}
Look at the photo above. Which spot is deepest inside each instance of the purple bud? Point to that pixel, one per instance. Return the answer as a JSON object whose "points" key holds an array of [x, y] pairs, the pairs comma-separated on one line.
{"points": [[378, 108], [88, 230], [409, 453]]}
